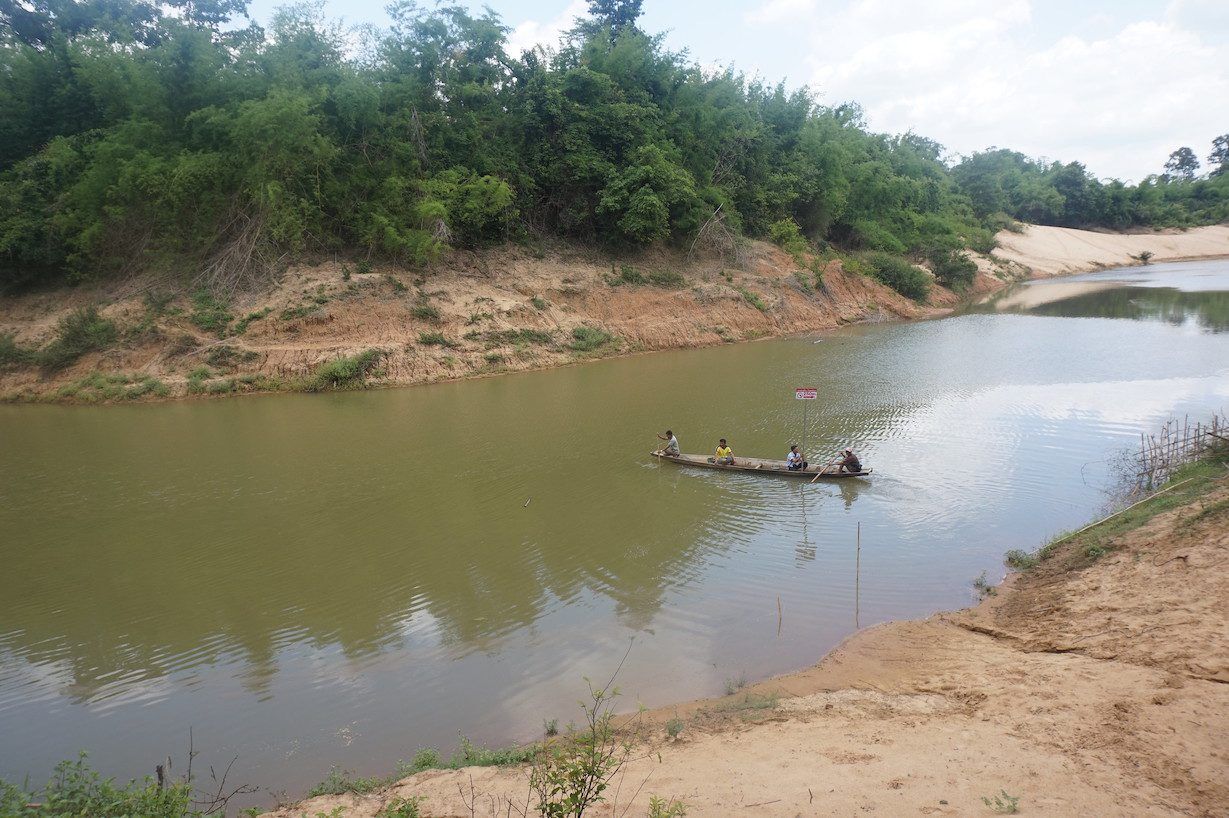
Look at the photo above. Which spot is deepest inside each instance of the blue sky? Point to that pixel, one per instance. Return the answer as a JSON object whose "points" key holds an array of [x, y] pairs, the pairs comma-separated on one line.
{"points": [[1117, 84]]}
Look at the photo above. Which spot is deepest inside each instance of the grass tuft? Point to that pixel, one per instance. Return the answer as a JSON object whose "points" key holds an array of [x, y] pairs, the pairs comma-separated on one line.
{"points": [[350, 372], [587, 339], [81, 331]]}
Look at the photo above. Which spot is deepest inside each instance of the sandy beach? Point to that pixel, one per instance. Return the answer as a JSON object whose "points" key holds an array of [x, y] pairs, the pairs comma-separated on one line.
{"points": [[1052, 251]]}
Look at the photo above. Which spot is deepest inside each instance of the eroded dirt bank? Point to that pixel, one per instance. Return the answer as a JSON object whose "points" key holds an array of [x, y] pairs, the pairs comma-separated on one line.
{"points": [[501, 310], [471, 315], [1084, 687]]}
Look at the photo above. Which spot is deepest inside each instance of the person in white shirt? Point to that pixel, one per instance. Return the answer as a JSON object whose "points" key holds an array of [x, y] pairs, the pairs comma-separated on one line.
{"points": [[672, 444], [794, 460]]}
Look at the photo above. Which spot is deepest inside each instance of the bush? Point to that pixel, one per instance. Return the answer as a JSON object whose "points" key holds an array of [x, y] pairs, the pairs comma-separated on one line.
{"points": [[952, 268], [587, 339], [787, 235], [75, 790], [1019, 560], [101, 387], [13, 353], [81, 331], [753, 299], [344, 373], [209, 314], [425, 311], [435, 339], [667, 278], [899, 274]]}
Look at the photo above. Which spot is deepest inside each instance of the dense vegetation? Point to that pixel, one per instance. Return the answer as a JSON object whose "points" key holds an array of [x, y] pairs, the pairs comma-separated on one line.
{"points": [[170, 136]]}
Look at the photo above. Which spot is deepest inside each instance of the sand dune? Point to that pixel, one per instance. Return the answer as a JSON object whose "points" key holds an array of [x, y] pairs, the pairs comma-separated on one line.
{"points": [[1051, 251]]}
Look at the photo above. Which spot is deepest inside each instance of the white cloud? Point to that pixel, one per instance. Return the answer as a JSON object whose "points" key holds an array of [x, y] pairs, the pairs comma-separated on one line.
{"points": [[777, 11], [972, 74], [530, 34]]}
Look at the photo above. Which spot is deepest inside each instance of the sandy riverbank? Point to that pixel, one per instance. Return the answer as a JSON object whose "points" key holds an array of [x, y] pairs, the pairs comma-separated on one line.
{"points": [[1084, 687], [1052, 251]]}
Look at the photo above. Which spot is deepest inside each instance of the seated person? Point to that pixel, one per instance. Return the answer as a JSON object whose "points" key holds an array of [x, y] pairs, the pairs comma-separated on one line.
{"points": [[794, 460], [851, 463], [723, 456], [672, 444]]}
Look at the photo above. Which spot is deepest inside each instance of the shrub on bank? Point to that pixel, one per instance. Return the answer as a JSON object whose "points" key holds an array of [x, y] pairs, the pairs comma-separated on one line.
{"points": [[76, 789], [952, 268], [82, 330], [344, 373], [899, 274]]}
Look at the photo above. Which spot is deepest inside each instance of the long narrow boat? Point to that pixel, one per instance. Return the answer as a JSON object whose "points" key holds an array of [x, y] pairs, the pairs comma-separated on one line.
{"points": [[758, 465]]}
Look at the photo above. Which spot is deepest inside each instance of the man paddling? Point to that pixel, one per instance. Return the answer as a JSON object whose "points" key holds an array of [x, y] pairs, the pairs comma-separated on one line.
{"points": [[850, 462], [672, 444]]}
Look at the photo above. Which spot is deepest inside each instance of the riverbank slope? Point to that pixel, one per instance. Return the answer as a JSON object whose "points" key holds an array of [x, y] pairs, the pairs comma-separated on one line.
{"points": [[1095, 683], [476, 314]]}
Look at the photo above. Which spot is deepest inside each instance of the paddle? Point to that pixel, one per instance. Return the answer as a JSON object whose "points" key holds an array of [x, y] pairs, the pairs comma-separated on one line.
{"points": [[824, 469]]}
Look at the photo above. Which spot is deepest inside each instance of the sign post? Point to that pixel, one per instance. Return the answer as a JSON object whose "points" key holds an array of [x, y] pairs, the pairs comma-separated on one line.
{"points": [[805, 393]]}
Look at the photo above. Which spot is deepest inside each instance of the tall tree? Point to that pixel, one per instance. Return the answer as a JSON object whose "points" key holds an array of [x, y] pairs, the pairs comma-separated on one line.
{"points": [[619, 15], [1182, 164], [1218, 159]]}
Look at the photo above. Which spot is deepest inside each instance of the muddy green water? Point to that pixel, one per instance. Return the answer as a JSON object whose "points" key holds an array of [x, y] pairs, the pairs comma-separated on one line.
{"points": [[340, 579]]}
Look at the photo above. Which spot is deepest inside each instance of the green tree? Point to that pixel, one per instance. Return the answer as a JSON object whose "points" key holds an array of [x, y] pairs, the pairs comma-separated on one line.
{"points": [[1182, 164]]}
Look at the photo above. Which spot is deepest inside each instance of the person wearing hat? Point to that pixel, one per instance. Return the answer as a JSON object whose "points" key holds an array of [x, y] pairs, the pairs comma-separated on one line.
{"points": [[850, 462], [794, 461], [723, 456]]}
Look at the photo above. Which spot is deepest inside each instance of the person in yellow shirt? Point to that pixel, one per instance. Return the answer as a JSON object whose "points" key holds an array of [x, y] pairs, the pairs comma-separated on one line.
{"points": [[723, 456]]}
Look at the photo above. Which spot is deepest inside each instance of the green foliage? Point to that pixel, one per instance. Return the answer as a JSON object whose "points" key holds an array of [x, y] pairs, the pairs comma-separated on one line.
{"points": [[674, 726], [178, 139], [339, 782], [81, 331], [666, 808], [436, 339], [571, 773], [225, 356], [667, 278], [349, 372], [13, 353], [1003, 804], [1020, 560], [952, 268], [899, 274], [753, 299], [425, 311], [400, 808], [788, 236], [512, 337], [538, 302], [983, 586], [210, 314], [241, 326], [299, 311], [77, 790], [587, 339], [98, 386]]}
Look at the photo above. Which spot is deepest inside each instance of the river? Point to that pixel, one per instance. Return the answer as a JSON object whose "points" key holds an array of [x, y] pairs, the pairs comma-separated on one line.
{"points": [[307, 581]]}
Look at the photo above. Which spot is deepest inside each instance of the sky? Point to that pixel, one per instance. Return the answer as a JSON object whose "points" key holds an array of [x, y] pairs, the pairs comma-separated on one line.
{"points": [[1115, 84]]}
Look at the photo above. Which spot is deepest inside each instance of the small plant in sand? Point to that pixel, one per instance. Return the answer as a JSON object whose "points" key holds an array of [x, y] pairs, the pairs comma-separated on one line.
{"points": [[983, 587], [550, 728], [1020, 560], [732, 686], [570, 773], [1002, 803], [674, 727], [666, 807], [399, 808]]}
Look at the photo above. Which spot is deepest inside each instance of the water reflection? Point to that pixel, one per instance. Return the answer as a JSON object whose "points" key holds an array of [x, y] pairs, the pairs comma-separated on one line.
{"points": [[319, 581]]}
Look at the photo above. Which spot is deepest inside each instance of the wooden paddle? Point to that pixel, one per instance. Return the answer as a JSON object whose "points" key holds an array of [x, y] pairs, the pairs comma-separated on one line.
{"points": [[824, 469]]}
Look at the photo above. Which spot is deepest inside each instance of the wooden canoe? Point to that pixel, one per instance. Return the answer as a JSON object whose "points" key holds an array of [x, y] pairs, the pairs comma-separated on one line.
{"points": [[758, 465]]}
